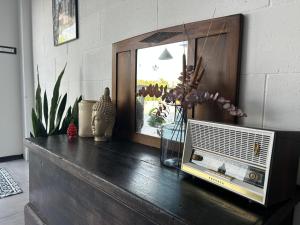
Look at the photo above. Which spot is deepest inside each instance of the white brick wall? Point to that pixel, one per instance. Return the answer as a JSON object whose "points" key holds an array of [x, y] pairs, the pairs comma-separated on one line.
{"points": [[270, 78], [270, 46]]}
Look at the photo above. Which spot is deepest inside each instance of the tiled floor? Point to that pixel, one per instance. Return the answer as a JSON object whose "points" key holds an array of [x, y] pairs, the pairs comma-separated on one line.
{"points": [[12, 208]]}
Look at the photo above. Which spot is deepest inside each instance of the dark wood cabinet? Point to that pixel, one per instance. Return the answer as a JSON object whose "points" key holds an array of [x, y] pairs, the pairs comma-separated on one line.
{"points": [[87, 183]]}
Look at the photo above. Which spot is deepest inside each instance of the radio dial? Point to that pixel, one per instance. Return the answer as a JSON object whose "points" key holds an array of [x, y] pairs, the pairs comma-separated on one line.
{"points": [[252, 176]]}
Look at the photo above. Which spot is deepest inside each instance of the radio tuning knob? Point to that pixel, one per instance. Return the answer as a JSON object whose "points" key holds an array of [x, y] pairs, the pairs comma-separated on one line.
{"points": [[252, 176], [197, 157]]}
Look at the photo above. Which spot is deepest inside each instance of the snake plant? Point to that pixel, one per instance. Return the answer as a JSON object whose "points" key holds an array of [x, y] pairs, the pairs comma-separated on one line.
{"points": [[55, 121]]}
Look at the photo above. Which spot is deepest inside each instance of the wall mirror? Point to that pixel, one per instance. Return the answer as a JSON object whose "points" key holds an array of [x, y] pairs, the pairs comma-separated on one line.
{"points": [[160, 65], [156, 57]]}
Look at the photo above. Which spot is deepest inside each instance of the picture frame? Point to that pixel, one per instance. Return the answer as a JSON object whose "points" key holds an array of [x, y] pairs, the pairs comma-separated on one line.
{"points": [[65, 21]]}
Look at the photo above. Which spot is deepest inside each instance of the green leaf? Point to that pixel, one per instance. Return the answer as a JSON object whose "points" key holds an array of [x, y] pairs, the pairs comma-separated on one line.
{"points": [[42, 130], [38, 98], [55, 100], [66, 122], [75, 111], [59, 115], [61, 109], [46, 109], [34, 122], [152, 111], [38, 127]]}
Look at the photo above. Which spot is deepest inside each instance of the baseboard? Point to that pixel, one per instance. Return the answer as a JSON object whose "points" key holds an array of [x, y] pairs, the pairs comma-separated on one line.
{"points": [[10, 158], [31, 218]]}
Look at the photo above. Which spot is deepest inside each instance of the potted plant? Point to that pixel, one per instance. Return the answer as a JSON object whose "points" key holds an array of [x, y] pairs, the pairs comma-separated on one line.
{"points": [[55, 121]]}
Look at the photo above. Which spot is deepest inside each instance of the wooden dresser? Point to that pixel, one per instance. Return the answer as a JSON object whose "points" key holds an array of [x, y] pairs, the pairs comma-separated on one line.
{"points": [[87, 183]]}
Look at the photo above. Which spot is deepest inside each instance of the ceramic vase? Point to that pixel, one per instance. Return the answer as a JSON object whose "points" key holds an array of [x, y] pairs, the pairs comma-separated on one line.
{"points": [[85, 118]]}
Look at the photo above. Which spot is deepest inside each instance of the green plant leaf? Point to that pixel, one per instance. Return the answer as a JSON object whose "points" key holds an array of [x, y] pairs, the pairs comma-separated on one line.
{"points": [[59, 115], [55, 100], [38, 98], [38, 127], [152, 111], [75, 111], [46, 109], [66, 122], [34, 122], [61, 109]]}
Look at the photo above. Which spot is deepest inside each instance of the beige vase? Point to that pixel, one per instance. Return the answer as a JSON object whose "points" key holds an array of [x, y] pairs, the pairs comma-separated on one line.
{"points": [[85, 118]]}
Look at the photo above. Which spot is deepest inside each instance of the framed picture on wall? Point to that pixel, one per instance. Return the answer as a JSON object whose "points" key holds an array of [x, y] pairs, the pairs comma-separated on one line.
{"points": [[65, 21]]}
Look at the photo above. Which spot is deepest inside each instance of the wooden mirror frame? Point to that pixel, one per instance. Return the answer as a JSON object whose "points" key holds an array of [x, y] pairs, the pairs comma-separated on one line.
{"points": [[222, 75]]}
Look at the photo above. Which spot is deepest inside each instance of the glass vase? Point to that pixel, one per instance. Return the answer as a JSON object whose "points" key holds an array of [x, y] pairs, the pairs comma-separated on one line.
{"points": [[172, 139]]}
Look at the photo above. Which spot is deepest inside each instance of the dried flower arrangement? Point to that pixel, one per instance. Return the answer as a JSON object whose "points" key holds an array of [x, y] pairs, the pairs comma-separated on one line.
{"points": [[185, 95], [188, 94]]}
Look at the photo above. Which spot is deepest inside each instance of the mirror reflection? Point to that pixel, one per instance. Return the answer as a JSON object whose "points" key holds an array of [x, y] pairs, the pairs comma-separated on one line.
{"points": [[160, 65]]}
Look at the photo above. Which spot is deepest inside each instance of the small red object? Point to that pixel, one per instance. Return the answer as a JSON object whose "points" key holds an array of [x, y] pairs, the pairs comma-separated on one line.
{"points": [[72, 131]]}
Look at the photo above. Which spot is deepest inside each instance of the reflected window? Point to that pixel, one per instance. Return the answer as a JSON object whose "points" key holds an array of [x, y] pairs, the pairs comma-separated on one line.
{"points": [[160, 65]]}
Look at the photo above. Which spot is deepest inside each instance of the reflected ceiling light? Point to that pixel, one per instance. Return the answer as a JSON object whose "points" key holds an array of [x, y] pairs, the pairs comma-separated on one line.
{"points": [[165, 55], [155, 67]]}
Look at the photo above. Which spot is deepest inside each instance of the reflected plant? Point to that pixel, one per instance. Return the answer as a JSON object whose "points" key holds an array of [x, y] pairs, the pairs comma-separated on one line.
{"points": [[143, 83], [158, 115]]}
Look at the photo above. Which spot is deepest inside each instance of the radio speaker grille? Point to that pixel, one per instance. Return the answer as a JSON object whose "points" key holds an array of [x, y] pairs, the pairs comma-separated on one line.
{"points": [[248, 145]]}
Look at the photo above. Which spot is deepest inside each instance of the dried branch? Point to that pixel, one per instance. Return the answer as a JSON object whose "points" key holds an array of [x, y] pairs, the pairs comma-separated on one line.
{"points": [[188, 92]]}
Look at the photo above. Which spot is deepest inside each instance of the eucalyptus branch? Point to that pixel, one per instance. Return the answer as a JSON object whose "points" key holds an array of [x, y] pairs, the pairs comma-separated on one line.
{"points": [[189, 93]]}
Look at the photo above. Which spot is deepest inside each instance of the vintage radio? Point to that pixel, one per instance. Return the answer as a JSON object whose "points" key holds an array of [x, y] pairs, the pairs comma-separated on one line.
{"points": [[260, 165]]}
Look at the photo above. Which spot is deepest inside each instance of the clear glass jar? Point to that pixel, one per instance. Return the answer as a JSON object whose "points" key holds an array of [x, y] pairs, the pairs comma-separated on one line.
{"points": [[172, 141]]}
